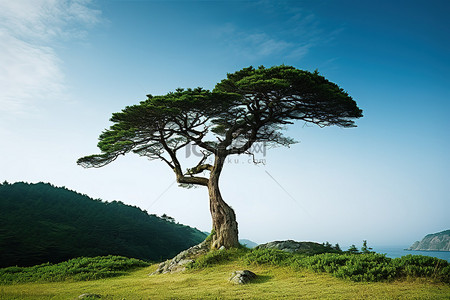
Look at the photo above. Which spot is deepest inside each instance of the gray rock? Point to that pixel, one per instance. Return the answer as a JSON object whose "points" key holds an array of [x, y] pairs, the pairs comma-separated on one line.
{"points": [[242, 277], [179, 262], [433, 242], [288, 246], [89, 296], [292, 246]]}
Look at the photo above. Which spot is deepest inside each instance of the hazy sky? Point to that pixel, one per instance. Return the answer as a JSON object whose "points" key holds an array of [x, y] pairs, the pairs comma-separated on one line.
{"points": [[66, 65]]}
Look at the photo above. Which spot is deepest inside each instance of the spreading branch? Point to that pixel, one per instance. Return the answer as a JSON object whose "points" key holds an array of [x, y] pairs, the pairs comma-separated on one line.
{"points": [[249, 106]]}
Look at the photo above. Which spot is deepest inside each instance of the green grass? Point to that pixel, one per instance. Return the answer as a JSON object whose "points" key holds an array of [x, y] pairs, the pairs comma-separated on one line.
{"points": [[212, 283], [77, 269], [277, 278], [215, 257]]}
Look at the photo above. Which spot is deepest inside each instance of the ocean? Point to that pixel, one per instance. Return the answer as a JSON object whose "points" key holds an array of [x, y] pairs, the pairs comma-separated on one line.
{"points": [[394, 252]]}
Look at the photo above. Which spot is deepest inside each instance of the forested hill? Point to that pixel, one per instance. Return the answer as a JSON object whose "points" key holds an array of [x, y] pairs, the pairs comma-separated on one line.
{"points": [[42, 223]]}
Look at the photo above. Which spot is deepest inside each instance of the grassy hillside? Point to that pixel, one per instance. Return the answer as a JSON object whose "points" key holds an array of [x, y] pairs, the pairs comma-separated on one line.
{"points": [[211, 282], [41, 223], [76, 269]]}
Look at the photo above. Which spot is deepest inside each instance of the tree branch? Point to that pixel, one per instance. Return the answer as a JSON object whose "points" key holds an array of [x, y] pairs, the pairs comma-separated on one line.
{"points": [[192, 180]]}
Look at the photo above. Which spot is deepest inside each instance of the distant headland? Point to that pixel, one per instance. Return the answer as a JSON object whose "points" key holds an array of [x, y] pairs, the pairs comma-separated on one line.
{"points": [[433, 242]]}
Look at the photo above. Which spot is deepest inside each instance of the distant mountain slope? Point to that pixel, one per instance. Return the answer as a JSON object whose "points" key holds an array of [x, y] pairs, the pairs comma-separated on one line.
{"points": [[433, 242], [248, 243], [43, 223]]}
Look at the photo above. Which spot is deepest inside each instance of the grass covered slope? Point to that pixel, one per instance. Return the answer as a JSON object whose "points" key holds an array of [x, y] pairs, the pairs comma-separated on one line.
{"points": [[77, 269], [41, 223], [209, 280]]}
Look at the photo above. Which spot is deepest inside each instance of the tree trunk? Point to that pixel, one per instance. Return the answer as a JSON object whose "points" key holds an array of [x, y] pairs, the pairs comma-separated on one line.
{"points": [[225, 227]]}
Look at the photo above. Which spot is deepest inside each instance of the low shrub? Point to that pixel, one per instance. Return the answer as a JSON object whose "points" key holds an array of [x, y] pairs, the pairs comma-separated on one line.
{"points": [[367, 266], [423, 266], [77, 269], [268, 256]]}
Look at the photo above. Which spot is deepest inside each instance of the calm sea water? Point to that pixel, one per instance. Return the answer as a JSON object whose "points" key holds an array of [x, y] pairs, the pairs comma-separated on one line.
{"points": [[399, 252]]}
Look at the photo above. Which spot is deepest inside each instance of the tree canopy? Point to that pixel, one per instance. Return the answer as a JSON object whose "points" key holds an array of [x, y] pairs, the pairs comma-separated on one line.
{"points": [[251, 105]]}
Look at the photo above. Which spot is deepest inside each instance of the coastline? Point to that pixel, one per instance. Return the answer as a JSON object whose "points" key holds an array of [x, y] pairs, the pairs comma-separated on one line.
{"points": [[398, 251], [427, 250]]}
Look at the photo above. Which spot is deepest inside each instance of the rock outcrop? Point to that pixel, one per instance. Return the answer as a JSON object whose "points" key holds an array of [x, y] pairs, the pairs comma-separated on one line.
{"points": [[295, 247], [179, 262], [433, 242]]}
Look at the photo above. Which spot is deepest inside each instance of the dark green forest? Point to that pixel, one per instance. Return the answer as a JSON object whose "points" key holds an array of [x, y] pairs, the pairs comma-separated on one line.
{"points": [[42, 223]]}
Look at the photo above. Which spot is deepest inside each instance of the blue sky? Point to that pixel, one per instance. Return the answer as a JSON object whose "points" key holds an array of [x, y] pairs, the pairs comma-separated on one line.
{"points": [[65, 66]]}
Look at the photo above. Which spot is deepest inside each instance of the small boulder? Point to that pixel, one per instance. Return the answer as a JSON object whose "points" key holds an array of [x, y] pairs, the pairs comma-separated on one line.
{"points": [[89, 296], [242, 277]]}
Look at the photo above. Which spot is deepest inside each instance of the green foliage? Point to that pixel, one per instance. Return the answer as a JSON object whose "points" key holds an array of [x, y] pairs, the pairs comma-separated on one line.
{"points": [[44, 223], [353, 250], [327, 245], [364, 267], [337, 247], [138, 128], [251, 105], [215, 257], [209, 238], [168, 218], [367, 267], [423, 266], [365, 249], [78, 269], [267, 256], [329, 103]]}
